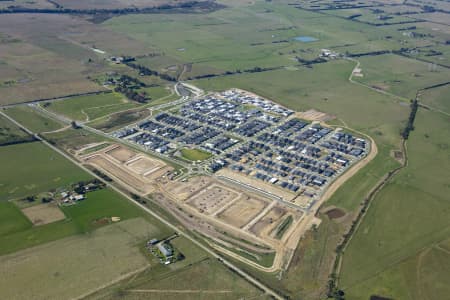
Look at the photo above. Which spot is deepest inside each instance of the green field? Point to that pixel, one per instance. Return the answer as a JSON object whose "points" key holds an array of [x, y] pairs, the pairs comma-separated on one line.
{"points": [[81, 219], [399, 75], [195, 154], [10, 133], [101, 257], [437, 98], [85, 108], [409, 215], [31, 168], [32, 119]]}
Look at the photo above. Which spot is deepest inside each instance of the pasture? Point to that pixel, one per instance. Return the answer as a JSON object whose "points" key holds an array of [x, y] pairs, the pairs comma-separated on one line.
{"points": [[32, 119], [108, 254], [437, 98], [399, 75], [85, 108], [83, 218], [31, 168], [10, 133], [398, 226]]}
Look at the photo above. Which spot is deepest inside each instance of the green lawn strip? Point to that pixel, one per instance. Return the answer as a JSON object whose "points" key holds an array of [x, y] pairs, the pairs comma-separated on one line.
{"points": [[281, 229]]}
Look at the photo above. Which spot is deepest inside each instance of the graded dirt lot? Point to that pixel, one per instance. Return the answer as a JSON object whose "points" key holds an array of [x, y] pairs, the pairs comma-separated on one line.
{"points": [[183, 190], [268, 222], [43, 213], [212, 198], [120, 153], [130, 168], [242, 211], [75, 266]]}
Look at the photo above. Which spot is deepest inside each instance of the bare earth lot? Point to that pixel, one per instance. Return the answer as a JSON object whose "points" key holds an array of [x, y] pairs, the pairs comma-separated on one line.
{"points": [[135, 170], [43, 213], [242, 211]]}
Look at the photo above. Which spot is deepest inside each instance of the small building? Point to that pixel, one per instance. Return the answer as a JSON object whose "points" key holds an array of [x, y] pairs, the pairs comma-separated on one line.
{"points": [[165, 249]]}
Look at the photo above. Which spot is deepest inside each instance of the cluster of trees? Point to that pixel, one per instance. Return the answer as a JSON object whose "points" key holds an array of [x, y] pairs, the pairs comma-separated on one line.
{"points": [[131, 94], [145, 71], [412, 116], [252, 70], [205, 6]]}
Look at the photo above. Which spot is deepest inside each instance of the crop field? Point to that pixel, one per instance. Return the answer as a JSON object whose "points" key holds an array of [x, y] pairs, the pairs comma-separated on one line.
{"points": [[31, 168], [10, 133], [85, 108], [400, 210], [108, 254], [32, 119], [399, 75]]}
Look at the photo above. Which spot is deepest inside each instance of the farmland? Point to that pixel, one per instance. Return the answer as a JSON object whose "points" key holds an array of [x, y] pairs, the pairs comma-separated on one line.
{"points": [[33, 120], [270, 98], [10, 133], [420, 190], [107, 254], [46, 170]]}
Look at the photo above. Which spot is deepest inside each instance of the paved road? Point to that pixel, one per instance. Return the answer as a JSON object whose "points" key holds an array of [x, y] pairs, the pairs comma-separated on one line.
{"points": [[227, 263]]}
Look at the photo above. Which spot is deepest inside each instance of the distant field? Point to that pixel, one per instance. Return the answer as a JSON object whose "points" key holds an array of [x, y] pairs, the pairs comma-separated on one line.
{"points": [[33, 120], [31, 168], [399, 75], [22, 79], [10, 133], [437, 98], [106, 255], [85, 108], [398, 225]]}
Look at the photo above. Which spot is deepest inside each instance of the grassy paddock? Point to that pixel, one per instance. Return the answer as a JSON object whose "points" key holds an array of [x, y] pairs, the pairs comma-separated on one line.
{"points": [[398, 225], [106, 253], [90, 107], [32, 119], [31, 168]]}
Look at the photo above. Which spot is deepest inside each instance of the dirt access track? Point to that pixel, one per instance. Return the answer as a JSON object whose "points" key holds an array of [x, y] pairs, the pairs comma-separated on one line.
{"points": [[127, 167]]}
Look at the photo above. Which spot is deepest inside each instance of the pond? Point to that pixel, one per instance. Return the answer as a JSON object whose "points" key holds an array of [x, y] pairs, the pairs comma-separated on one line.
{"points": [[305, 39]]}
